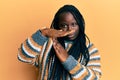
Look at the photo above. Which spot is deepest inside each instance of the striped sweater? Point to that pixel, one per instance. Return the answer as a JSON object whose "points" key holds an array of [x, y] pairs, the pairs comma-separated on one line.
{"points": [[35, 50]]}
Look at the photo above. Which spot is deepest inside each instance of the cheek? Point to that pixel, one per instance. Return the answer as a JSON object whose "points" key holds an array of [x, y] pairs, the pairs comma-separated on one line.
{"points": [[64, 29], [77, 31]]}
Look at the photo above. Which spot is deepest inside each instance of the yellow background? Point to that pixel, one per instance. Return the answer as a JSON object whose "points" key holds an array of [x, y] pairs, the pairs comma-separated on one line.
{"points": [[20, 18]]}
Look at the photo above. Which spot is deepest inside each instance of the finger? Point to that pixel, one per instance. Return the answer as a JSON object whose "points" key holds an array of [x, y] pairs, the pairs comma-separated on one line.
{"points": [[61, 34], [68, 32], [56, 43], [56, 49], [60, 30], [65, 33], [43, 27], [53, 39], [59, 46], [60, 49]]}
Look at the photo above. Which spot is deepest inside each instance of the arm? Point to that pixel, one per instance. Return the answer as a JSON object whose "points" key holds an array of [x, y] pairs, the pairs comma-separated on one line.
{"points": [[31, 47], [78, 71]]}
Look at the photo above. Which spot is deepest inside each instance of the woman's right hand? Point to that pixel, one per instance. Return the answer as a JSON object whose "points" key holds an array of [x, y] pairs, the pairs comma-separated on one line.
{"points": [[53, 33]]}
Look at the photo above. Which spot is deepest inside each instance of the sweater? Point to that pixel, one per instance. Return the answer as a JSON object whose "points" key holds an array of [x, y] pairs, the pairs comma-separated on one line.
{"points": [[35, 51]]}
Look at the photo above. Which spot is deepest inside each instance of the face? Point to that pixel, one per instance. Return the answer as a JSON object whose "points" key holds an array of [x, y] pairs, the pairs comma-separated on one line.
{"points": [[67, 22]]}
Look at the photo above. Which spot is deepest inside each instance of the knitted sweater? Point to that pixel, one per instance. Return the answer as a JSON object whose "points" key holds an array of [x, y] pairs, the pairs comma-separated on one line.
{"points": [[35, 50]]}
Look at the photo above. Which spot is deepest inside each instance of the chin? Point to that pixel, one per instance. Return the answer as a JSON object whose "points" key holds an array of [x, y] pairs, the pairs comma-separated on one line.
{"points": [[69, 38]]}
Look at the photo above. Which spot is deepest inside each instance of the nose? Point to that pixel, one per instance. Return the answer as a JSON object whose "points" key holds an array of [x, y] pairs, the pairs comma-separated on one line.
{"points": [[70, 28]]}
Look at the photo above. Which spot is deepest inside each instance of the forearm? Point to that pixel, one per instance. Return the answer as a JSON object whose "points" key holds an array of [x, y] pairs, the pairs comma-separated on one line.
{"points": [[79, 71], [31, 47]]}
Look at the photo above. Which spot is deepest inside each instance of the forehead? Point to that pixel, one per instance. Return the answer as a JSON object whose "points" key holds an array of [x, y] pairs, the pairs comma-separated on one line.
{"points": [[66, 16]]}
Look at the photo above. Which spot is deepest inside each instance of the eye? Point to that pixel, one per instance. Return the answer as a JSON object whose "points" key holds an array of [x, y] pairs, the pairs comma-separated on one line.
{"points": [[74, 24], [63, 26]]}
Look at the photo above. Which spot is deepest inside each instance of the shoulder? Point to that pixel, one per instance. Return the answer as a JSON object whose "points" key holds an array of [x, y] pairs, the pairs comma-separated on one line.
{"points": [[91, 47]]}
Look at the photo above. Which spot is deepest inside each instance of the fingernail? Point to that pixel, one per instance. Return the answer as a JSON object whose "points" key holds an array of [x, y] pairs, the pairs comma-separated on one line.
{"points": [[43, 27], [60, 30], [53, 43]]}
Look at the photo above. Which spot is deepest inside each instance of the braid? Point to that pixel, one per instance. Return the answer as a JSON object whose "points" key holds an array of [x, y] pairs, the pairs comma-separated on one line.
{"points": [[79, 46]]}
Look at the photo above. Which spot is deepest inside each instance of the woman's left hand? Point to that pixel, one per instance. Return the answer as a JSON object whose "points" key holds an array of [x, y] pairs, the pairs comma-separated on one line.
{"points": [[61, 53]]}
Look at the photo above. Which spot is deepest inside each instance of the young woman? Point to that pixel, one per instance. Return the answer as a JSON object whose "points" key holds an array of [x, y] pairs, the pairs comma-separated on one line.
{"points": [[62, 52]]}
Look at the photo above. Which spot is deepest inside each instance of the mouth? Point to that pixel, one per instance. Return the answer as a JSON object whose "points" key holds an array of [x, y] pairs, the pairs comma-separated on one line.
{"points": [[71, 36]]}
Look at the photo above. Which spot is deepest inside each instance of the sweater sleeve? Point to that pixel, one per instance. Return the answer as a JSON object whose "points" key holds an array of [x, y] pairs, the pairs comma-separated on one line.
{"points": [[31, 48], [92, 71]]}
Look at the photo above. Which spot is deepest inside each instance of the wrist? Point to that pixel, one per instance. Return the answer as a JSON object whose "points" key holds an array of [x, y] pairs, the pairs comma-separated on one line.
{"points": [[44, 32]]}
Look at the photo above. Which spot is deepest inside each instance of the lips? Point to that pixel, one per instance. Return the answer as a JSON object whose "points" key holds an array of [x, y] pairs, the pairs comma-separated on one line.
{"points": [[71, 35]]}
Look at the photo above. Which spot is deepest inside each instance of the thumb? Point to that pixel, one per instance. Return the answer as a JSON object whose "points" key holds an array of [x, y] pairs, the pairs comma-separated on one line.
{"points": [[43, 27], [60, 30]]}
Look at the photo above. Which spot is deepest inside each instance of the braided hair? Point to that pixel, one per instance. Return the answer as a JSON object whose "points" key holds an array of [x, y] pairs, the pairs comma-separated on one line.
{"points": [[79, 46]]}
